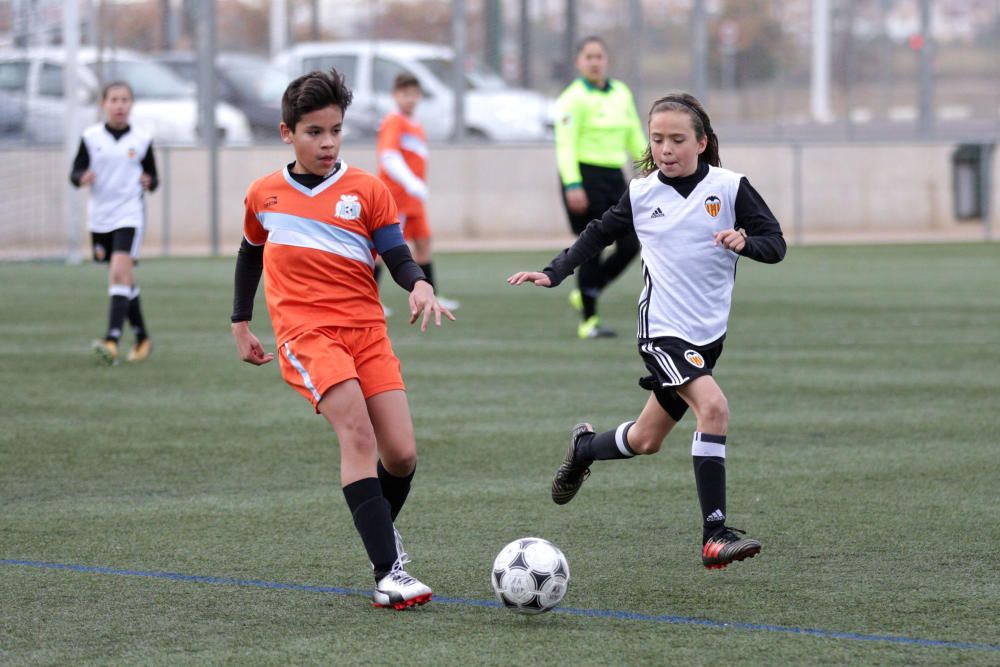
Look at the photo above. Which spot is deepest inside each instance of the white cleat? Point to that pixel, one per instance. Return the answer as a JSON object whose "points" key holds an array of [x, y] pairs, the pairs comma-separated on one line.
{"points": [[399, 590]]}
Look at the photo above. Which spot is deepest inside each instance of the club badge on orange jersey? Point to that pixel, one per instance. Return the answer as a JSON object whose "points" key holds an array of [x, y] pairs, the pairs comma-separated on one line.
{"points": [[713, 205], [694, 358], [348, 208]]}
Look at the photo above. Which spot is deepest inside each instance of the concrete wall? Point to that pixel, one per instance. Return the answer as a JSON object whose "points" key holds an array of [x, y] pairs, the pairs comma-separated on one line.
{"points": [[507, 195]]}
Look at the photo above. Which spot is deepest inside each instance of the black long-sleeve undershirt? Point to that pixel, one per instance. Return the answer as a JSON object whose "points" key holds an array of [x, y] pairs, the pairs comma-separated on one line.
{"points": [[82, 160], [250, 266], [764, 241]]}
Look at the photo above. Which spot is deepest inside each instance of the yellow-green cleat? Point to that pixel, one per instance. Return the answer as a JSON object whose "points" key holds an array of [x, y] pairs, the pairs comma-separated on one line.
{"points": [[591, 328], [576, 300]]}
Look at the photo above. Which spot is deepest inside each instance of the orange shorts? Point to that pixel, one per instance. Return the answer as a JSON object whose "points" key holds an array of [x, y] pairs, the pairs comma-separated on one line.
{"points": [[320, 358], [415, 225]]}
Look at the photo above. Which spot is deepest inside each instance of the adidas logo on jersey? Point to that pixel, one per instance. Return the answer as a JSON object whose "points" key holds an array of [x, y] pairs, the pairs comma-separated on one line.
{"points": [[717, 515], [657, 213]]}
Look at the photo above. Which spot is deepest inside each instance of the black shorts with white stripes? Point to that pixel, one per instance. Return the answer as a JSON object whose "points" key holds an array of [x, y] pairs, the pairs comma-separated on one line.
{"points": [[673, 363]]}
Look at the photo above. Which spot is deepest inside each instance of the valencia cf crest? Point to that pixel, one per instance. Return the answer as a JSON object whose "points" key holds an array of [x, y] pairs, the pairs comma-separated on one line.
{"points": [[693, 357], [131, 153], [713, 205], [348, 208]]}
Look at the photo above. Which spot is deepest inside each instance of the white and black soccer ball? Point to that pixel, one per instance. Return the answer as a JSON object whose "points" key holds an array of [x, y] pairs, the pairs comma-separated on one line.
{"points": [[530, 575]]}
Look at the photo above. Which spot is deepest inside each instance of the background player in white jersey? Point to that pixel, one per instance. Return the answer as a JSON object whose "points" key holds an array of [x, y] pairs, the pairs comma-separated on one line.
{"points": [[694, 221], [116, 161]]}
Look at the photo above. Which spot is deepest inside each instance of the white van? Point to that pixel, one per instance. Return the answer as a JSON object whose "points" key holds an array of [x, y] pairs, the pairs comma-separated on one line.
{"points": [[494, 111], [165, 105]]}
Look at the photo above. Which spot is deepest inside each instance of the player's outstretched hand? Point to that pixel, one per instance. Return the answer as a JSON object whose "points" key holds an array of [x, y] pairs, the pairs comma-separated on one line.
{"points": [[731, 239], [423, 301], [536, 277], [249, 347]]}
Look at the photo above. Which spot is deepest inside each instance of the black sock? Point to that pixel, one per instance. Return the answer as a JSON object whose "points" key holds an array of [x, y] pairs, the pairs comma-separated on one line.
{"points": [[373, 520], [428, 270], [607, 445], [395, 489], [117, 311], [135, 317], [589, 305], [378, 272], [709, 454]]}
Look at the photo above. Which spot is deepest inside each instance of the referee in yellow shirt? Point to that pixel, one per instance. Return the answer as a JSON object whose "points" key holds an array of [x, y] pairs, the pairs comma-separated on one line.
{"points": [[597, 129]]}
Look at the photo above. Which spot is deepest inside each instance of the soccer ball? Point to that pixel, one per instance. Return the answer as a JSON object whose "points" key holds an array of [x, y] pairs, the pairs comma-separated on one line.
{"points": [[530, 575]]}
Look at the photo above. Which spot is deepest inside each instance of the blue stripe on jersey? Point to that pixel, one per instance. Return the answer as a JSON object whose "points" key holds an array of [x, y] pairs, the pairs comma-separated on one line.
{"points": [[286, 229], [388, 237], [414, 144]]}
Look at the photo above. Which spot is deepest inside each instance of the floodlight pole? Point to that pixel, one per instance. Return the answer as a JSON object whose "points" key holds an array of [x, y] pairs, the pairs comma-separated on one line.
{"points": [[926, 117], [458, 39], [820, 86], [699, 51], [524, 35], [71, 45], [278, 26], [206, 108]]}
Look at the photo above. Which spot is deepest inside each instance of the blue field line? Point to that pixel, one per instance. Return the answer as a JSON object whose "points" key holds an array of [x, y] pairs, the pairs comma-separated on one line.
{"points": [[596, 613]]}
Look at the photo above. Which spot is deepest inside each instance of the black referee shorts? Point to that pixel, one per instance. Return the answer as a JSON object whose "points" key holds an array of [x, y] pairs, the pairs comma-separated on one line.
{"points": [[672, 363], [604, 187]]}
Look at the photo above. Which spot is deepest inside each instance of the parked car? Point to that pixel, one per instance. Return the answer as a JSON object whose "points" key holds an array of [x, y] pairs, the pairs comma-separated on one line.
{"points": [[11, 118], [164, 104], [494, 111], [250, 83]]}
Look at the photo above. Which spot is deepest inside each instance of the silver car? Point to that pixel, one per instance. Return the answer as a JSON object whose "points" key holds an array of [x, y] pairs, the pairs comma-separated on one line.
{"points": [[494, 111], [164, 105]]}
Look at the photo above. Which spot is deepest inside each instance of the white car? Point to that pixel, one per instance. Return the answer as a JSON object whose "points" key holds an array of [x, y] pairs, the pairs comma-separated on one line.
{"points": [[494, 111], [165, 105]]}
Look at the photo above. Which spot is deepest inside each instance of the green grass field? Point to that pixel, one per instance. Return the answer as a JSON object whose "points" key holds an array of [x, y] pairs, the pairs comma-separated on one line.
{"points": [[865, 394]]}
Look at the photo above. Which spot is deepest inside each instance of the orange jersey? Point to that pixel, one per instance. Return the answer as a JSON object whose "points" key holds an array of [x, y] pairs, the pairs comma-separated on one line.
{"points": [[318, 252], [405, 136]]}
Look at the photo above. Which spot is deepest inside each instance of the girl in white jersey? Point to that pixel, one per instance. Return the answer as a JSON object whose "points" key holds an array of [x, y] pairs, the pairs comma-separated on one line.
{"points": [[694, 221], [116, 161]]}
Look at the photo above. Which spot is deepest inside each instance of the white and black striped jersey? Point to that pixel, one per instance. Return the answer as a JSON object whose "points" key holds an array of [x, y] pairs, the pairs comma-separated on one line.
{"points": [[118, 159], [688, 280]]}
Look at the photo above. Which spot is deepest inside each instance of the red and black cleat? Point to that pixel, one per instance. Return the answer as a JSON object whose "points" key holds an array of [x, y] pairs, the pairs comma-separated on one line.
{"points": [[725, 546]]}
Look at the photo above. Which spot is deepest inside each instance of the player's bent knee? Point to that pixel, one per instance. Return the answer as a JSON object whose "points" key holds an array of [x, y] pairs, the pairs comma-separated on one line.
{"points": [[715, 410], [644, 444], [399, 464]]}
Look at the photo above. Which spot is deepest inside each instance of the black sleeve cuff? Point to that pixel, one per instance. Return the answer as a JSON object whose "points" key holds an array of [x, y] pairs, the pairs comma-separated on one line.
{"points": [[402, 268], [249, 267]]}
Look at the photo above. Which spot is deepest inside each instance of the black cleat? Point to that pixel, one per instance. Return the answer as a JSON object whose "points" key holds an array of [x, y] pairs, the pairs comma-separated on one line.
{"points": [[570, 475], [724, 546]]}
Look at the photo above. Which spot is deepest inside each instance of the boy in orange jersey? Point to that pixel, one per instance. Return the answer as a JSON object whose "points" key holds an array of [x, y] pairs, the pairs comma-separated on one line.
{"points": [[402, 162], [314, 228]]}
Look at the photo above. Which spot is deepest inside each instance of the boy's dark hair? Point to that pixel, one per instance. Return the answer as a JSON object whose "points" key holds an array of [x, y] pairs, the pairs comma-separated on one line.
{"points": [[588, 40], [313, 91], [116, 84], [690, 105], [404, 80]]}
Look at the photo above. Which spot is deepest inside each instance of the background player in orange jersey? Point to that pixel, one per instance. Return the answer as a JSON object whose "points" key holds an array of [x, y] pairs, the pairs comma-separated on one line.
{"points": [[313, 228], [402, 161]]}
